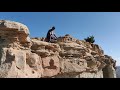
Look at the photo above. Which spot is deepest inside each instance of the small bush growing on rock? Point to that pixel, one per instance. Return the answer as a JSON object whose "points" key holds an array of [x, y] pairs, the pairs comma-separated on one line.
{"points": [[90, 39]]}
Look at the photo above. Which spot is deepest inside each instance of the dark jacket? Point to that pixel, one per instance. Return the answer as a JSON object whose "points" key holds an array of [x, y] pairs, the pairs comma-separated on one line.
{"points": [[48, 35]]}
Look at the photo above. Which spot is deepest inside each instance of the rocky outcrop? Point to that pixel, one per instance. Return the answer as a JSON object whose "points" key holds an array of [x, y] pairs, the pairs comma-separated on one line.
{"points": [[118, 72], [25, 57], [15, 46]]}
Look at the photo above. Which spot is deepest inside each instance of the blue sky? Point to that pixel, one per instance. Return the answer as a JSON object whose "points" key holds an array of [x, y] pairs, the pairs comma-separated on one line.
{"points": [[105, 26]]}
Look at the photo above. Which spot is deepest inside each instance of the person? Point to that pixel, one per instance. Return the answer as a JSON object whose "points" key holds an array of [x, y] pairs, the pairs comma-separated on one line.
{"points": [[51, 37]]}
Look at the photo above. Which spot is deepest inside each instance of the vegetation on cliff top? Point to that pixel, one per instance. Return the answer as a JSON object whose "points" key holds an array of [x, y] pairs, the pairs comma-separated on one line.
{"points": [[90, 39]]}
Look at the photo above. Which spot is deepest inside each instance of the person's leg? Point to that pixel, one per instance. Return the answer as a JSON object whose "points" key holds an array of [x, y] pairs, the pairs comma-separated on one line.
{"points": [[52, 38]]}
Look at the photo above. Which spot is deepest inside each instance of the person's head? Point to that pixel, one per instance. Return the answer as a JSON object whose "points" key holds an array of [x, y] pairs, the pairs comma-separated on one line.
{"points": [[53, 28]]}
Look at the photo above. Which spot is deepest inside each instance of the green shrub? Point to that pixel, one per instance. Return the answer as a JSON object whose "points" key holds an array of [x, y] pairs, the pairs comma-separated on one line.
{"points": [[90, 39]]}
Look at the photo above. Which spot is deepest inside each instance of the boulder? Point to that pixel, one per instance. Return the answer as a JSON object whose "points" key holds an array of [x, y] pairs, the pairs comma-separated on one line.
{"points": [[14, 34]]}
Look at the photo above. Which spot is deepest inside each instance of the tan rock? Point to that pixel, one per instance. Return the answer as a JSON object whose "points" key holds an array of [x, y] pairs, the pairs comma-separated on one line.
{"points": [[72, 67], [51, 66], [98, 49], [33, 59], [25, 57], [11, 25], [14, 34], [42, 53], [20, 59]]}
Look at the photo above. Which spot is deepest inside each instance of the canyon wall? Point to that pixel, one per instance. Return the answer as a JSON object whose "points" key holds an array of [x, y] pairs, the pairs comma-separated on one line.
{"points": [[25, 57]]}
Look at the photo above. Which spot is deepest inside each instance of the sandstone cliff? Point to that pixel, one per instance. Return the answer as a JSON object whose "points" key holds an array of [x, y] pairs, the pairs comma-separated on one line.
{"points": [[25, 57]]}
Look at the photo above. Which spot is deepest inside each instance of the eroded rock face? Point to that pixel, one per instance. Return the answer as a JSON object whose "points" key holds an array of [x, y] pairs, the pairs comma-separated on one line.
{"points": [[15, 46], [50, 66], [25, 57], [14, 34]]}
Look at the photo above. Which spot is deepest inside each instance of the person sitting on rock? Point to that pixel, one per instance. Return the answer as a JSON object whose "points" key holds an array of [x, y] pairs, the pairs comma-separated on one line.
{"points": [[51, 37]]}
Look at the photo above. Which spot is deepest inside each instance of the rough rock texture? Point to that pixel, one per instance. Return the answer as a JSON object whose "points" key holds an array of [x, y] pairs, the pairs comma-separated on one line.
{"points": [[15, 46], [118, 72], [22, 57]]}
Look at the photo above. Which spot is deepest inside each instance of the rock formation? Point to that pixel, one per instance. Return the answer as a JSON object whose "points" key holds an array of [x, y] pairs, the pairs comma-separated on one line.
{"points": [[25, 57], [118, 72]]}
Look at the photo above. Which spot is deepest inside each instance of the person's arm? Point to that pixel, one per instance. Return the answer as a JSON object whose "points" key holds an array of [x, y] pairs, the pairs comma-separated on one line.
{"points": [[55, 35]]}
